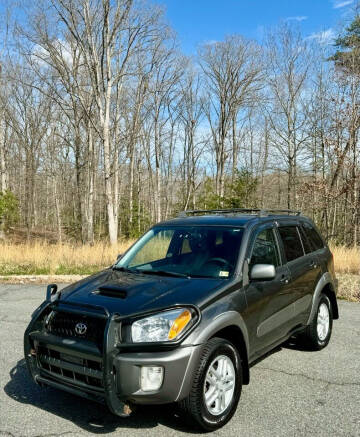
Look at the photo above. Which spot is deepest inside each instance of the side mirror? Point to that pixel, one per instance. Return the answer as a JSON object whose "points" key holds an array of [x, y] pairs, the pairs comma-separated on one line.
{"points": [[119, 256], [52, 293], [262, 272]]}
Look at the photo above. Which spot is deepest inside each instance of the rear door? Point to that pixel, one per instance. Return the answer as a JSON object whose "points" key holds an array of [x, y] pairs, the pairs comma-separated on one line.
{"points": [[303, 269], [316, 252]]}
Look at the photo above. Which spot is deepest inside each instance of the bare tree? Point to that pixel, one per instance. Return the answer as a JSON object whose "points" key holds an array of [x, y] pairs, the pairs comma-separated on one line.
{"points": [[288, 69], [109, 35], [105, 127], [191, 115], [162, 88], [232, 70]]}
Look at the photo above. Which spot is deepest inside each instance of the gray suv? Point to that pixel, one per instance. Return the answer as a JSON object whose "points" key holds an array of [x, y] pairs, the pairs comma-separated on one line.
{"points": [[186, 311]]}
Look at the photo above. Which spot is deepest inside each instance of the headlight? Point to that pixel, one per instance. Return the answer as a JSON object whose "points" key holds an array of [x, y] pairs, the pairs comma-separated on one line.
{"points": [[164, 326]]}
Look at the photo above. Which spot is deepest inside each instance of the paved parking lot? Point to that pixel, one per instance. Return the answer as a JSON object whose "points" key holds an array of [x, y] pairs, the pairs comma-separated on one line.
{"points": [[292, 393]]}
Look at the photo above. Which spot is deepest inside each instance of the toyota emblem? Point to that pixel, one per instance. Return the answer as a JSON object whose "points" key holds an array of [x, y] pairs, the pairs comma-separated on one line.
{"points": [[80, 328]]}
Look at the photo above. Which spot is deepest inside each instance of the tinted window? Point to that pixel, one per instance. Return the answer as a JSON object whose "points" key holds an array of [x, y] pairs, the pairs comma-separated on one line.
{"points": [[196, 251], [291, 241], [306, 243], [265, 250], [156, 249], [314, 238]]}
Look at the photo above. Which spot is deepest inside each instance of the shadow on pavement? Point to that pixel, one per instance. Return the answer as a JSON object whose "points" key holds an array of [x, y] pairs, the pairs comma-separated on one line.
{"points": [[292, 343], [88, 415], [296, 344]]}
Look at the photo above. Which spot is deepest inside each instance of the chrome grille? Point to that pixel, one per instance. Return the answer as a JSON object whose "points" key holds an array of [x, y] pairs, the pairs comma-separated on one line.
{"points": [[63, 324]]}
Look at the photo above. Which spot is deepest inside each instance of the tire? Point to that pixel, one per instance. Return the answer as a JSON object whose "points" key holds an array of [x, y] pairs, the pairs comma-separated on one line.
{"points": [[217, 354], [317, 334]]}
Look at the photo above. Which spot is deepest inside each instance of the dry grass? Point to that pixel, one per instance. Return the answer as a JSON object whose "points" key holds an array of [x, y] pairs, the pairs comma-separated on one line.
{"points": [[347, 260], [349, 287], [43, 258], [40, 256]]}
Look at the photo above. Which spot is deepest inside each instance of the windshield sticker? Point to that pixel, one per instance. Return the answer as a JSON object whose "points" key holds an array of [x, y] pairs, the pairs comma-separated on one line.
{"points": [[223, 274]]}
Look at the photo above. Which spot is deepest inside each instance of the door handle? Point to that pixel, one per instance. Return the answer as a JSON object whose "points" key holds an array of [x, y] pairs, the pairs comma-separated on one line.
{"points": [[285, 279], [313, 264]]}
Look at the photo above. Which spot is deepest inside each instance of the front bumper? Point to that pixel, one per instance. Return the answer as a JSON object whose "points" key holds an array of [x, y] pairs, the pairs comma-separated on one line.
{"points": [[110, 375], [178, 370]]}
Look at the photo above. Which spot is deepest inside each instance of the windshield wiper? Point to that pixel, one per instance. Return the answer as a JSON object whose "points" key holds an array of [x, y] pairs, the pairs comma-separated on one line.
{"points": [[125, 269], [164, 273]]}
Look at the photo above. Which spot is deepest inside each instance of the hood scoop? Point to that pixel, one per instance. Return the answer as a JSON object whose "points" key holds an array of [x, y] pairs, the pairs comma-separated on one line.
{"points": [[111, 290]]}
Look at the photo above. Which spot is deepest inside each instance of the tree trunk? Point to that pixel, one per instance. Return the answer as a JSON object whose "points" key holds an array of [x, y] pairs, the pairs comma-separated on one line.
{"points": [[80, 213], [3, 169], [157, 191], [91, 175], [57, 209], [131, 189], [234, 149], [290, 182], [112, 225]]}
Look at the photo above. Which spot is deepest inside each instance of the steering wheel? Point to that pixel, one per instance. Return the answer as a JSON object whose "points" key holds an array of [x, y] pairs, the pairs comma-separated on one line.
{"points": [[218, 260]]}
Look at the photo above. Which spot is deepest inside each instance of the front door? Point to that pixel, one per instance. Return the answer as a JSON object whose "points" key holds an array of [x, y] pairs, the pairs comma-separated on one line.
{"points": [[268, 302]]}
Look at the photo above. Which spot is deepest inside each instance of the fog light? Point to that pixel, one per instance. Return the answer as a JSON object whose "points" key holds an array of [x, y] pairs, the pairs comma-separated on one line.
{"points": [[151, 377]]}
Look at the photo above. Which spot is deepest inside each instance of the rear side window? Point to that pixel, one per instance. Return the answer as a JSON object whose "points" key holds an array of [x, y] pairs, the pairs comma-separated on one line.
{"points": [[305, 240], [314, 238], [291, 242]]}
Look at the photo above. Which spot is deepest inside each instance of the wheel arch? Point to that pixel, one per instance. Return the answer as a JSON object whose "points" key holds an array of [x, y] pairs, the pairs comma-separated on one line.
{"points": [[326, 286], [228, 325], [234, 334], [330, 293]]}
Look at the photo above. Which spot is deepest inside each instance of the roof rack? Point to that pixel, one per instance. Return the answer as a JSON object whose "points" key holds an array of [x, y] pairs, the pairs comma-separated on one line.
{"points": [[238, 211]]}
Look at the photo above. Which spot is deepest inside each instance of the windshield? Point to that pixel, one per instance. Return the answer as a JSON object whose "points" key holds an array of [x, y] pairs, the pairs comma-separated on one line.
{"points": [[195, 251]]}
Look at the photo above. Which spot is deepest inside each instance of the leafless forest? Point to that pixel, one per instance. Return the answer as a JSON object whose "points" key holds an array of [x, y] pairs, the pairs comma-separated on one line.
{"points": [[107, 127]]}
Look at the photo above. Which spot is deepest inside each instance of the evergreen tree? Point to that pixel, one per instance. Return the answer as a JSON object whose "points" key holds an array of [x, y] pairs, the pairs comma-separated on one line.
{"points": [[347, 55]]}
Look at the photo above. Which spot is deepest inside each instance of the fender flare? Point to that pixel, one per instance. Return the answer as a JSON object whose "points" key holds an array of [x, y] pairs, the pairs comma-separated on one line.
{"points": [[208, 329], [221, 321], [325, 279]]}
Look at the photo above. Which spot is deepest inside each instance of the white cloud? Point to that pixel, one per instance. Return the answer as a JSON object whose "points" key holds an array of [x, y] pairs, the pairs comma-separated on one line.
{"points": [[297, 18], [211, 42], [323, 37], [337, 4], [41, 56]]}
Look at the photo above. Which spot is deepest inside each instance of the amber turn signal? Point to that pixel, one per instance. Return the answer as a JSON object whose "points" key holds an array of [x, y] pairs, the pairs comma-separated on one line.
{"points": [[179, 324]]}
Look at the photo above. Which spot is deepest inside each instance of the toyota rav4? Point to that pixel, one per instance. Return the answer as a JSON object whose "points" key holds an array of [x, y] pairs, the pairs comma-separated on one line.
{"points": [[185, 312]]}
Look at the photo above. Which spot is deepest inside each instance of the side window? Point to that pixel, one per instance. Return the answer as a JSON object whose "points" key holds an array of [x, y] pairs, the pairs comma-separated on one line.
{"points": [[305, 240], [265, 249], [291, 242], [185, 247], [313, 237]]}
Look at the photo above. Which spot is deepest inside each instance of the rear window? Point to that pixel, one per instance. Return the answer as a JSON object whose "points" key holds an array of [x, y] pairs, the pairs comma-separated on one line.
{"points": [[314, 238], [291, 242]]}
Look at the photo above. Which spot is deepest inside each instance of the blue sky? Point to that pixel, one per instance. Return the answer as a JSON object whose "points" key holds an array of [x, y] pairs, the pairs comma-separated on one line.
{"points": [[199, 21]]}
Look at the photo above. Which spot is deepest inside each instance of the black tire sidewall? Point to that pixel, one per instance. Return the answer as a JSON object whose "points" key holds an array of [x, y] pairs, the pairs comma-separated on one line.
{"points": [[209, 420], [322, 343]]}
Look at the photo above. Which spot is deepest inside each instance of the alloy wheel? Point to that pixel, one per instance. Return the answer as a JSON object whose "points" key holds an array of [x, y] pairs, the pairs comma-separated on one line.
{"points": [[219, 385]]}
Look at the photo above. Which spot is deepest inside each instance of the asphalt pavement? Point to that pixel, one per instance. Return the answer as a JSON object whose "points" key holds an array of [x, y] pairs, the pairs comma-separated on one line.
{"points": [[291, 392]]}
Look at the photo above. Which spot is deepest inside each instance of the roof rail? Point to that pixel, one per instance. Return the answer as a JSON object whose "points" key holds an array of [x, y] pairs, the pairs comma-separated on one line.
{"points": [[237, 211]]}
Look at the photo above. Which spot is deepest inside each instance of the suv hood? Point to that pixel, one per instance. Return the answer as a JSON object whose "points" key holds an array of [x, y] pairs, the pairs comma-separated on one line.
{"points": [[136, 292]]}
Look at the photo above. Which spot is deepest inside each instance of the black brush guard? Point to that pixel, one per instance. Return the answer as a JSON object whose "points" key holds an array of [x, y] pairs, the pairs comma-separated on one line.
{"points": [[34, 337]]}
